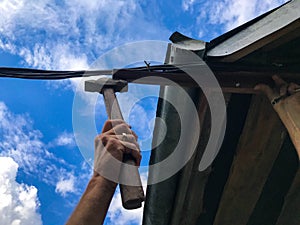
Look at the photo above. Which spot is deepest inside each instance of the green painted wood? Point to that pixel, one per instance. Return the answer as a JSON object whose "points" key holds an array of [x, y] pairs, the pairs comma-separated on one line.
{"points": [[192, 206], [190, 170]]}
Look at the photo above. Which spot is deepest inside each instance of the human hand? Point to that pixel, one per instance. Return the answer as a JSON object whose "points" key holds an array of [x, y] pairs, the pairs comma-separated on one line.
{"points": [[116, 139], [285, 98]]}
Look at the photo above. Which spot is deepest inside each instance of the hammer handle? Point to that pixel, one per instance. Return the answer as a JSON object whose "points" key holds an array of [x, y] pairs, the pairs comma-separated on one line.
{"points": [[132, 196]]}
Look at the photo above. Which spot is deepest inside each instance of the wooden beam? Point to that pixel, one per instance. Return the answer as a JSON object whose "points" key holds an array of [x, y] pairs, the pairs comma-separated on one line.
{"points": [[237, 111], [277, 186], [244, 51], [259, 145], [290, 214], [193, 206], [234, 80], [263, 31], [188, 205]]}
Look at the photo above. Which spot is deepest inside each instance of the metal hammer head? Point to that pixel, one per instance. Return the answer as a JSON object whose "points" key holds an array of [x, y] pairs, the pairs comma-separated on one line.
{"points": [[105, 82]]}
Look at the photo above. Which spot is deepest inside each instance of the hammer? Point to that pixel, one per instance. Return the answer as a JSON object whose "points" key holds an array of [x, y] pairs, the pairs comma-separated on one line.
{"points": [[132, 196]]}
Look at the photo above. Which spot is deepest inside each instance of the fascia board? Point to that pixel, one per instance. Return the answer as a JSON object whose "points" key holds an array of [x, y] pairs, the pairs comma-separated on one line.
{"points": [[268, 25]]}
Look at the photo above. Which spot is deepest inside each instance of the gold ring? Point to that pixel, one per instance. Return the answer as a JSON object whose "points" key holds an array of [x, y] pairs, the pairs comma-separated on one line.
{"points": [[124, 137]]}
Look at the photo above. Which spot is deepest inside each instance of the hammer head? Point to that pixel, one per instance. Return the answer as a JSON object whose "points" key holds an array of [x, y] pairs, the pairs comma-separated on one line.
{"points": [[105, 82]]}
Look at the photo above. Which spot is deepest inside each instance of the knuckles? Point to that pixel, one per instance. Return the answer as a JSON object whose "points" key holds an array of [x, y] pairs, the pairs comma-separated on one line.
{"points": [[121, 128], [110, 143], [101, 138], [111, 140], [104, 138]]}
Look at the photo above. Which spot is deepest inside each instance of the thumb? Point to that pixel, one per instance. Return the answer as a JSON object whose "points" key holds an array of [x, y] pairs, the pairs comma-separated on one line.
{"points": [[266, 90]]}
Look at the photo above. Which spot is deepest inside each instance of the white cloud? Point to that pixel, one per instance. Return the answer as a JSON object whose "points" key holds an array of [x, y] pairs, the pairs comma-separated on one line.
{"points": [[187, 4], [233, 13], [20, 141], [64, 139], [119, 215], [66, 185], [69, 34], [19, 202], [7, 46], [226, 13], [55, 56]]}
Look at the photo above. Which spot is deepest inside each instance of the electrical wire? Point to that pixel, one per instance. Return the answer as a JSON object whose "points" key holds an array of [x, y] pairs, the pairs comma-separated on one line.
{"points": [[24, 73]]}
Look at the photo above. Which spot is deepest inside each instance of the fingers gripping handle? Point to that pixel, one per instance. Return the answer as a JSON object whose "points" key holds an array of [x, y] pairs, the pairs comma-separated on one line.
{"points": [[132, 196]]}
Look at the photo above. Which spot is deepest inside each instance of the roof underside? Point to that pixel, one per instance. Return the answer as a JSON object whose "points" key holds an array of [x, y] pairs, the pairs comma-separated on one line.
{"points": [[257, 166]]}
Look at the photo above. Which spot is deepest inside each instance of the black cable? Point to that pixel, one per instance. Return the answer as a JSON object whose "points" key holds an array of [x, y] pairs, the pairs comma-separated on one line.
{"points": [[48, 74], [37, 74], [24, 73]]}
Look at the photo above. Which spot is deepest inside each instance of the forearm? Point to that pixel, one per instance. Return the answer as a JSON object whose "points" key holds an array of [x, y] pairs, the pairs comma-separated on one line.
{"points": [[94, 203], [109, 147]]}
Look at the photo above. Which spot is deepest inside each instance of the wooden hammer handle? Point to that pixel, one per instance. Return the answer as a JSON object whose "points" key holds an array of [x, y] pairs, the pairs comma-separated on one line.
{"points": [[132, 196]]}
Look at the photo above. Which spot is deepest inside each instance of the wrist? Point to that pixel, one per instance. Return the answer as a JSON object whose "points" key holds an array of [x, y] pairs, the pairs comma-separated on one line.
{"points": [[98, 180]]}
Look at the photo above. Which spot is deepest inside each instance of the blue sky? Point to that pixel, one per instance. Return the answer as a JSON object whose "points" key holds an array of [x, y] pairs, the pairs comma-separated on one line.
{"points": [[42, 171]]}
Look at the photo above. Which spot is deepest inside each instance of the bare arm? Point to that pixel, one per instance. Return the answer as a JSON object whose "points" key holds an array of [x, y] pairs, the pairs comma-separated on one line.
{"points": [[286, 102], [94, 203]]}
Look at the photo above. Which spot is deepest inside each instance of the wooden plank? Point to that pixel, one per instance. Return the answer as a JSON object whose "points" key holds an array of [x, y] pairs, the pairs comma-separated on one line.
{"points": [[188, 205], [237, 111], [190, 172], [273, 24], [258, 148], [290, 214], [260, 43], [276, 187], [193, 206]]}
